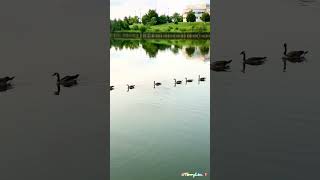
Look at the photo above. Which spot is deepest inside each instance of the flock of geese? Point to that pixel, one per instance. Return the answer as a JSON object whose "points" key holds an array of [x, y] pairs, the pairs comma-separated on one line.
{"points": [[66, 81], [292, 56], [155, 84]]}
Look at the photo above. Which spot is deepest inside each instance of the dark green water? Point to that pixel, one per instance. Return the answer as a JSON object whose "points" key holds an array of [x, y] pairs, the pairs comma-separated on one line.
{"points": [[159, 133]]}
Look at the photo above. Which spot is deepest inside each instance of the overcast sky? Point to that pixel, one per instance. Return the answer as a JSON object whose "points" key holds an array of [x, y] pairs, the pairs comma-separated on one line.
{"points": [[122, 8]]}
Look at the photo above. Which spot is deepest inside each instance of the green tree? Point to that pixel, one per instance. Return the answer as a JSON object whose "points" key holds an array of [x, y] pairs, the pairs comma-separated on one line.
{"points": [[191, 17], [162, 19], [176, 17], [205, 17], [153, 21], [148, 17], [145, 19]]}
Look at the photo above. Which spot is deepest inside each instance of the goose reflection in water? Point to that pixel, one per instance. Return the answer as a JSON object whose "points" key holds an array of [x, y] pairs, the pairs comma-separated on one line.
{"points": [[67, 81], [292, 60], [258, 63], [66, 84]]}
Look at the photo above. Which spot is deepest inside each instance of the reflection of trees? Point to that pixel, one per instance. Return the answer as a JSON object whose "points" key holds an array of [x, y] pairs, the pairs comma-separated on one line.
{"points": [[120, 44], [176, 49], [152, 47], [190, 50], [204, 50]]}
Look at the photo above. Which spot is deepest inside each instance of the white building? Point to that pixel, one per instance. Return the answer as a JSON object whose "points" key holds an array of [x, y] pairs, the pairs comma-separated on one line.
{"points": [[198, 9]]}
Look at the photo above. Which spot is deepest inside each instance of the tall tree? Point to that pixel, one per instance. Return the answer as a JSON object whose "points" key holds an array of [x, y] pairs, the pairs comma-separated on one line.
{"points": [[191, 17], [205, 17]]}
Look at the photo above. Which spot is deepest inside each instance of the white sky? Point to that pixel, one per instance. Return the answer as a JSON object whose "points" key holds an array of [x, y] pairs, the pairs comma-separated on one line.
{"points": [[122, 8]]}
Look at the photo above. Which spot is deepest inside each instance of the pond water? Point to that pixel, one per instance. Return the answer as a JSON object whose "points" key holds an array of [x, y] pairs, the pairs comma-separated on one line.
{"points": [[159, 132], [266, 120]]}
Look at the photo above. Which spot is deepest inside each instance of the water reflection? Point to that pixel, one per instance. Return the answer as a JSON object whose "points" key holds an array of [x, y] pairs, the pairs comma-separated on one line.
{"points": [[292, 60], [152, 47], [67, 85], [5, 87]]}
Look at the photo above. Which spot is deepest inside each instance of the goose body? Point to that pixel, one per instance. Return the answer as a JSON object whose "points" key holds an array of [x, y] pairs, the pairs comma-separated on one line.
{"points": [[177, 82], [201, 78], [253, 60], [221, 63], [188, 80], [156, 83], [130, 86], [293, 54], [67, 80], [6, 80]]}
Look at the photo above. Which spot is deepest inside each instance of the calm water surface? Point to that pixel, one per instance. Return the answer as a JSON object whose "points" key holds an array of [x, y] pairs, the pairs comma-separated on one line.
{"points": [[158, 133], [44, 136], [266, 120]]}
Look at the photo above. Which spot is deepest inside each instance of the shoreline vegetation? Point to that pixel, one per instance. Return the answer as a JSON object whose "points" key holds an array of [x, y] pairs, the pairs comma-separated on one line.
{"points": [[153, 26]]}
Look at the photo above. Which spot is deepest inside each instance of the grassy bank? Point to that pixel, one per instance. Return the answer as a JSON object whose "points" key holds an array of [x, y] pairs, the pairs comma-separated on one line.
{"points": [[181, 27]]}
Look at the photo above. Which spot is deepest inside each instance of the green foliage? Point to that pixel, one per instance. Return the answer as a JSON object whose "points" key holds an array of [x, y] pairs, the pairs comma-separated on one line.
{"points": [[176, 17], [135, 27], [143, 29], [118, 25], [205, 17], [169, 19], [152, 15], [162, 19], [190, 51], [191, 17], [153, 21]]}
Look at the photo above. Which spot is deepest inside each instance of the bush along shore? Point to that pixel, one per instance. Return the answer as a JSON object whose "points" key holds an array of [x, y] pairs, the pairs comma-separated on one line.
{"points": [[153, 26]]}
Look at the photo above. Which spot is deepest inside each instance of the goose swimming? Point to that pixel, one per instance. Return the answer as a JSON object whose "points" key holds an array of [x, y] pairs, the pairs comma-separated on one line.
{"points": [[67, 80], [293, 54], [253, 60], [188, 80], [201, 78], [156, 83], [130, 86], [177, 82]]}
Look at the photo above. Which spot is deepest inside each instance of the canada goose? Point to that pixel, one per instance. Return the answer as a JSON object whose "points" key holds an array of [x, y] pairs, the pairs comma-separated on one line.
{"points": [[130, 86], [201, 78], [253, 60], [6, 80], [188, 80], [156, 83], [293, 54], [111, 88], [221, 63], [67, 80], [177, 82]]}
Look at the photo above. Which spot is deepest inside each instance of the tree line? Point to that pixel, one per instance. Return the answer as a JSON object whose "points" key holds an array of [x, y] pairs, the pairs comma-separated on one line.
{"points": [[152, 18]]}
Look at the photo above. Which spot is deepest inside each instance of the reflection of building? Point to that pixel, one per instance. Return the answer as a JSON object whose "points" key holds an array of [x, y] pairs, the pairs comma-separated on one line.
{"points": [[198, 9]]}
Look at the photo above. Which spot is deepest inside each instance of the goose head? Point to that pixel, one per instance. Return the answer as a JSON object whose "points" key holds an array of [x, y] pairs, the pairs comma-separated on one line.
{"points": [[242, 53], [285, 45]]}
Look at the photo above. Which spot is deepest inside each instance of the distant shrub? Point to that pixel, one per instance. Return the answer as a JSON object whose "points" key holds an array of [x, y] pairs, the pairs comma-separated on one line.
{"points": [[157, 30], [135, 27]]}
